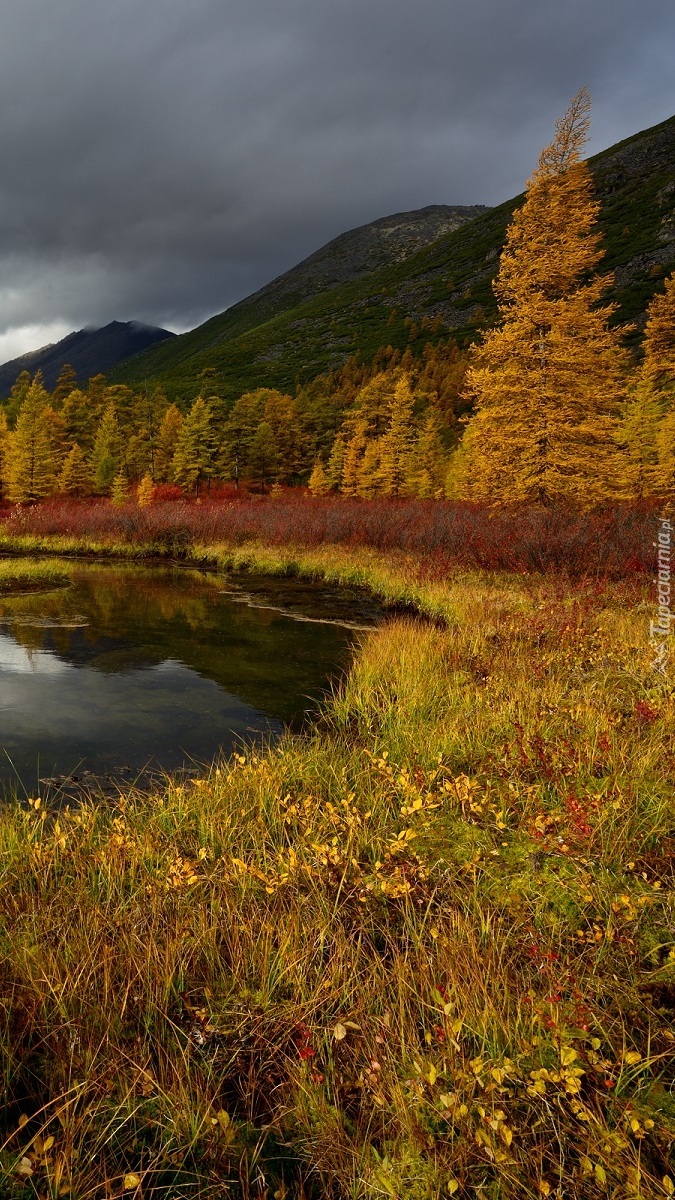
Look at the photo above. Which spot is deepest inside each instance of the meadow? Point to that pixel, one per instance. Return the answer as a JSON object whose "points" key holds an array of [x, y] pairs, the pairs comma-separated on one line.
{"points": [[426, 949]]}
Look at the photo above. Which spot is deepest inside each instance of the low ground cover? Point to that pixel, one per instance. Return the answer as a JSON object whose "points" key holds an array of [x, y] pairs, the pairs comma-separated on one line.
{"points": [[17, 576], [440, 534], [426, 950]]}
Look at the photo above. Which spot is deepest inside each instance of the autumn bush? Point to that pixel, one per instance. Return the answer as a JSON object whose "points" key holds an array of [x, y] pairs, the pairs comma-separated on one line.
{"points": [[611, 543]]}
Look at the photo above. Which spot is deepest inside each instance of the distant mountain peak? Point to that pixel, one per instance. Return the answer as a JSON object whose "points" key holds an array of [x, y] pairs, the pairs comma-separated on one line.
{"points": [[93, 350]]}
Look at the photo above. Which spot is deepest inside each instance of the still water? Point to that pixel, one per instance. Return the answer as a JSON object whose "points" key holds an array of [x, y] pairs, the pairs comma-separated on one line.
{"points": [[135, 668]]}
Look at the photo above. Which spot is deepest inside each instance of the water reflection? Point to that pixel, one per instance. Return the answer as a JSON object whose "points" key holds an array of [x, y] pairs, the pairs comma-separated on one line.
{"points": [[133, 665]]}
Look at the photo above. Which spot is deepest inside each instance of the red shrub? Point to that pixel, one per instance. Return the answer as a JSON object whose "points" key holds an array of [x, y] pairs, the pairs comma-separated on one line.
{"points": [[440, 534]]}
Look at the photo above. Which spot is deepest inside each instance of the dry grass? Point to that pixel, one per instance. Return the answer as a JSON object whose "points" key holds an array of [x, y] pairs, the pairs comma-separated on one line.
{"points": [[17, 576], [428, 950]]}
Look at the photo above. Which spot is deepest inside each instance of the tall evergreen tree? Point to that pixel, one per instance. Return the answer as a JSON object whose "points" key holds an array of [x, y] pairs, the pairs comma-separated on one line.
{"points": [[547, 382], [17, 395], [4, 433], [65, 384], [352, 461], [397, 442], [79, 420], [428, 462], [263, 457], [196, 448], [336, 462], [75, 477], [105, 459], [29, 467], [369, 472], [167, 441], [319, 484]]}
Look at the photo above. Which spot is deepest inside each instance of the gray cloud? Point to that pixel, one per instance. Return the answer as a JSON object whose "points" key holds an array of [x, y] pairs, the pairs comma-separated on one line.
{"points": [[162, 158]]}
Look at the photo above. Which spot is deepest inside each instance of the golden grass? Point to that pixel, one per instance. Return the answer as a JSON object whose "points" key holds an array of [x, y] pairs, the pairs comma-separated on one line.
{"points": [[17, 576], [427, 950]]}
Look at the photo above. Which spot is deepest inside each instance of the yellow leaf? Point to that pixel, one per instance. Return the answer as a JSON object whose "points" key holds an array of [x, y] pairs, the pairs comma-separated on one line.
{"points": [[544, 1187], [668, 1185], [339, 1033], [130, 1182], [600, 1173], [567, 1055], [632, 1057], [453, 1186], [47, 1144], [23, 1120], [223, 1120], [432, 1073]]}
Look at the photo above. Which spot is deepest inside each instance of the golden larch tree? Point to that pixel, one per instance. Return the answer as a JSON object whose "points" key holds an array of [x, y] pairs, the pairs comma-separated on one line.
{"points": [[548, 381], [650, 418], [29, 465]]}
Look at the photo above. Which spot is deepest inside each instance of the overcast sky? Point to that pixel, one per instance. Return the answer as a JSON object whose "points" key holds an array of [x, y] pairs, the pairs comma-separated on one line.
{"points": [[160, 159]]}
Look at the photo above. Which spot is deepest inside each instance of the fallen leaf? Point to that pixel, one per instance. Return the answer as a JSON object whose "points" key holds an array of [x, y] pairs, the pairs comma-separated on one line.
{"points": [[339, 1033], [131, 1181]]}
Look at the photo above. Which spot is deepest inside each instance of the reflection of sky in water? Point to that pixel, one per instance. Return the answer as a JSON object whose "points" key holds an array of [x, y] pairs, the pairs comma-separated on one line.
{"points": [[132, 667], [17, 660]]}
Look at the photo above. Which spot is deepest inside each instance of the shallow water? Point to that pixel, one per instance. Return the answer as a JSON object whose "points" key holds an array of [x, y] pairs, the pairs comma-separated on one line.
{"points": [[137, 668]]}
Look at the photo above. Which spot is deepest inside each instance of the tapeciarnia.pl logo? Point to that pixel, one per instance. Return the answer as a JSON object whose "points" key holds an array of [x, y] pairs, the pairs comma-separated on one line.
{"points": [[659, 630]]}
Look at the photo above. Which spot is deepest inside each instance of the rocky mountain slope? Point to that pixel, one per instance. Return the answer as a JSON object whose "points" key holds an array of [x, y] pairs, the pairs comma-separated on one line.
{"points": [[307, 321]]}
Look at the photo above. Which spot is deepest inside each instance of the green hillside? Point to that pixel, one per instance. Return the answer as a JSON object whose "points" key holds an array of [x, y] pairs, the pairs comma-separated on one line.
{"points": [[272, 339]]}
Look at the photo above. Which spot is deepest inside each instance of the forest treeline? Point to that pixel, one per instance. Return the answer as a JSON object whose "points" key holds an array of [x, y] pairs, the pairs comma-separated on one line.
{"points": [[549, 407], [103, 438]]}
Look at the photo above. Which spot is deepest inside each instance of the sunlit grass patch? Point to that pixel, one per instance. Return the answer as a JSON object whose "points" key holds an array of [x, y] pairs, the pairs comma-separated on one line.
{"points": [[19, 576], [427, 949]]}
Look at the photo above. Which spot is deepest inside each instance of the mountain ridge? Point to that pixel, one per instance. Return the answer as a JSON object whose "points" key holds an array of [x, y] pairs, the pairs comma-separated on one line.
{"points": [[258, 343], [90, 351]]}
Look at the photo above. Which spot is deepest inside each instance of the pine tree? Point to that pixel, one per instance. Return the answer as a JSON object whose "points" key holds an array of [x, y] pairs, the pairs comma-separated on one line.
{"points": [[17, 396], [355, 449], [428, 462], [263, 461], [548, 380], [3, 439], [196, 449], [65, 384], [29, 466], [665, 444], [146, 491], [167, 441], [75, 477], [105, 459], [396, 444], [659, 340], [369, 472], [336, 462], [653, 410], [319, 484], [119, 491], [78, 419], [640, 437]]}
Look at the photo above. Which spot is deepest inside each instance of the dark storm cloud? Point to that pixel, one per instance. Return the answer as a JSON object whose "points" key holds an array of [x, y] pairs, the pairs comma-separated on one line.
{"points": [[162, 158]]}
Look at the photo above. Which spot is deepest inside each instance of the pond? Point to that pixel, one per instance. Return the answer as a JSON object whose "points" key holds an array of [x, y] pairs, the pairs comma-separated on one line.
{"points": [[136, 669]]}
